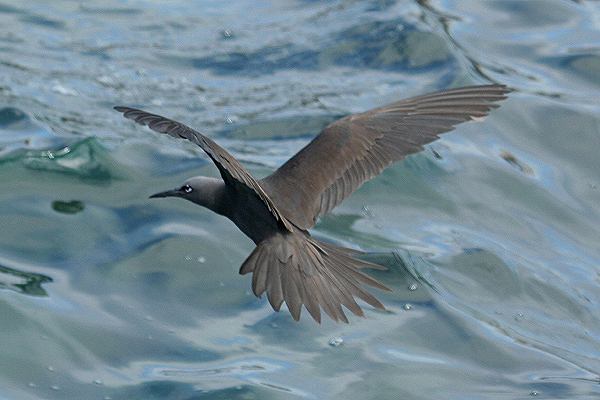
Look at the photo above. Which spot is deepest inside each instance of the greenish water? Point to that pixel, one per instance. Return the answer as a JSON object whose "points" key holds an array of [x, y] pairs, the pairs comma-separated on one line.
{"points": [[490, 236]]}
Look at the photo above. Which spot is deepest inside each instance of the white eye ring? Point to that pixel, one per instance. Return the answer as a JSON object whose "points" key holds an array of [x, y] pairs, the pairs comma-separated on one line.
{"points": [[187, 188]]}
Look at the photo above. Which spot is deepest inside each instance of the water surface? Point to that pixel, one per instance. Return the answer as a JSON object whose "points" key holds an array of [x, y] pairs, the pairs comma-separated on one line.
{"points": [[490, 236]]}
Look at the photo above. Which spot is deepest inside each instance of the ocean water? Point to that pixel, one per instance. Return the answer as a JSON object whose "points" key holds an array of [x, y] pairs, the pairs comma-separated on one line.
{"points": [[491, 235]]}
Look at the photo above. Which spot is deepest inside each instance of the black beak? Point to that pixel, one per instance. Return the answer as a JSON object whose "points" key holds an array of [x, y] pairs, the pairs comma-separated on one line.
{"points": [[168, 193]]}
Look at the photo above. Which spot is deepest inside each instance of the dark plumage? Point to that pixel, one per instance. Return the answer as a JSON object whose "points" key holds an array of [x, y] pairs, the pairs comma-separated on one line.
{"points": [[277, 211]]}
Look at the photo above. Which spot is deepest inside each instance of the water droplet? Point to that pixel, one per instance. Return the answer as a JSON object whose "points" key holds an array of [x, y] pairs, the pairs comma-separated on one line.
{"points": [[336, 342], [50, 368], [60, 89], [31, 384], [55, 387], [201, 260], [519, 316], [534, 393], [188, 258], [98, 382], [408, 307], [63, 151], [413, 286]]}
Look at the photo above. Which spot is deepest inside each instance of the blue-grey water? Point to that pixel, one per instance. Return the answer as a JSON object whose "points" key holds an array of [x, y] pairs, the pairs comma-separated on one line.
{"points": [[491, 235]]}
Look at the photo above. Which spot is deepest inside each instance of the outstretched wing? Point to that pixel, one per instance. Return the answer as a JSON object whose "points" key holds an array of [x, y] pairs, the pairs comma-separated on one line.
{"points": [[232, 172], [359, 147]]}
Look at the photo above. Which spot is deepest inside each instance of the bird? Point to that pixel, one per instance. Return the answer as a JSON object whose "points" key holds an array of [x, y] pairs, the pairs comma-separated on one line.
{"points": [[277, 211]]}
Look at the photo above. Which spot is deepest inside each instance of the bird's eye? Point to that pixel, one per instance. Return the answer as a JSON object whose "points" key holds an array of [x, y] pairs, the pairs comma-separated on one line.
{"points": [[187, 188]]}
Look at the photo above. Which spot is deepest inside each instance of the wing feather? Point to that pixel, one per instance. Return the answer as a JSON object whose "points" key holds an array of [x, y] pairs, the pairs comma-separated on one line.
{"points": [[232, 172], [358, 147]]}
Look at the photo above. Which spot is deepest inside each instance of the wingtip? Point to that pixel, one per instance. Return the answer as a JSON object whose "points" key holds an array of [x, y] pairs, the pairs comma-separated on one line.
{"points": [[502, 89]]}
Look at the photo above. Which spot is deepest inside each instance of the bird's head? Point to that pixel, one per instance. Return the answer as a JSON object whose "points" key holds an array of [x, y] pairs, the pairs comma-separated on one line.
{"points": [[201, 190]]}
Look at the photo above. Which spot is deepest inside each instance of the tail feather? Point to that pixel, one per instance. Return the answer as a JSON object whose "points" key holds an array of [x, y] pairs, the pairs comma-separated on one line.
{"points": [[352, 278], [297, 269], [275, 291], [350, 288], [259, 278]]}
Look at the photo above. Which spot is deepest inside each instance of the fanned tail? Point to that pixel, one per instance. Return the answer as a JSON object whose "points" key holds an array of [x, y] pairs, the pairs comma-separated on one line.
{"points": [[300, 270]]}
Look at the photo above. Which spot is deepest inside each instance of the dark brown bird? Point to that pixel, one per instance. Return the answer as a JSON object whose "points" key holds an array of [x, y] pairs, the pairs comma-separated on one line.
{"points": [[277, 211]]}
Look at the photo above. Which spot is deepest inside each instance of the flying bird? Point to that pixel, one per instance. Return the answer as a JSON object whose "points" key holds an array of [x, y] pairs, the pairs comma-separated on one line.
{"points": [[277, 211]]}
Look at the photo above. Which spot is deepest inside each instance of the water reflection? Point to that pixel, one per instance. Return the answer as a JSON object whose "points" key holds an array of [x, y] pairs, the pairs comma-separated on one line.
{"points": [[28, 283]]}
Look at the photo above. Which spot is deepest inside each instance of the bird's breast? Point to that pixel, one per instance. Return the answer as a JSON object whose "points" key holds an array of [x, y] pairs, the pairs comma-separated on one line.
{"points": [[252, 216]]}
